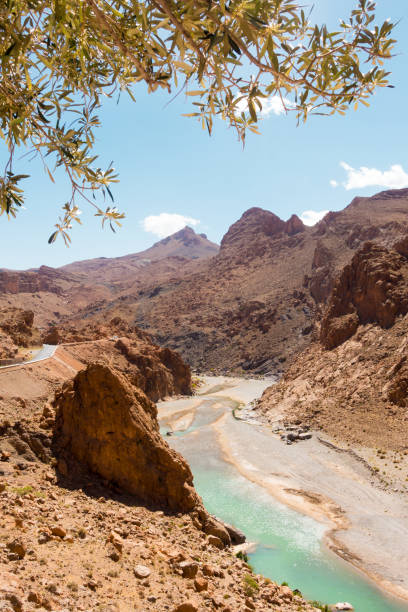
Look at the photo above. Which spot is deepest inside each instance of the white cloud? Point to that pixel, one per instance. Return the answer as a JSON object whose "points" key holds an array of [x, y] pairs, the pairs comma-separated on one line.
{"points": [[166, 223], [311, 217], [334, 183], [394, 178], [274, 105]]}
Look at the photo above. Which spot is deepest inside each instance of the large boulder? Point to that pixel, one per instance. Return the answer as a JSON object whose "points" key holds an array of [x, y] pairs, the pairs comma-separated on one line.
{"points": [[110, 426]]}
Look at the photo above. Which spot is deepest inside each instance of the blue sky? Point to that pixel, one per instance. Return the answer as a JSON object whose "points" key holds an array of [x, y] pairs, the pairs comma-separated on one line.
{"points": [[169, 165]]}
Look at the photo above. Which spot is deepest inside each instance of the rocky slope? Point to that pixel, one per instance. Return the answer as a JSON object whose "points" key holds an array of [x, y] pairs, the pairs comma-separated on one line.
{"points": [[253, 305], [94, 549], [353, 382], [55, 294], [17, 331], [250, 307], [157, 371], [98, 513], [185, 244], [109, 425]]}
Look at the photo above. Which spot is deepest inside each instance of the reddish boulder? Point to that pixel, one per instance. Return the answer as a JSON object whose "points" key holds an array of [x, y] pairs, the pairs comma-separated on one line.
{"points": [[110, 426]]}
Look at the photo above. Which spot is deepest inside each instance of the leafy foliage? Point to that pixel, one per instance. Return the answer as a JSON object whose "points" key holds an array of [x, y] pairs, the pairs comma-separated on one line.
{"points": [[60, 57]]}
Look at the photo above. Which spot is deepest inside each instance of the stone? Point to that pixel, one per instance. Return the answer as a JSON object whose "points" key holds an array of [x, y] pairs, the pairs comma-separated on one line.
{"points": [[214, 541], [215, 528], [237, 536], [208, 570], [34, 597], [200, 584], [189, 569], [111, 427], [305, 436], [186, 607], [18, 548], [58, 531], [343, 606], [286, 593], [141, 571], [116, 540]]}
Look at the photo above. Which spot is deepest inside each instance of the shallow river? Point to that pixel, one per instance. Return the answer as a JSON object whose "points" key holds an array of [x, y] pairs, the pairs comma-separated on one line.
{"points": [[289, 545]]}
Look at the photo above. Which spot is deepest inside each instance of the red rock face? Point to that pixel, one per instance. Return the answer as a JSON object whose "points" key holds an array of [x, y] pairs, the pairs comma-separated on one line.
{"points": [[254, 226], [16, 330], [31, 281], [373, 288], [160, 371], [110, 426], [294, 225]]}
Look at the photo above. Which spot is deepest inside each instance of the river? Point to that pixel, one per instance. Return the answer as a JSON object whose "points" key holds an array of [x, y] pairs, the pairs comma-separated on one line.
{"points": [[288, 545]]}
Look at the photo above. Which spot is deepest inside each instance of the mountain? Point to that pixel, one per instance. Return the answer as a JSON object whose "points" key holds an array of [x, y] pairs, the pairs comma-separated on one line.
{"points": [[254, 304], [250, 306], [185, 244], [58, 293]]}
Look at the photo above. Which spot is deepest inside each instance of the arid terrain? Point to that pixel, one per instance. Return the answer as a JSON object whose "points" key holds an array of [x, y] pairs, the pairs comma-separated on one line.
{"points": [[117, 524], [99, 513], [248, 308]]}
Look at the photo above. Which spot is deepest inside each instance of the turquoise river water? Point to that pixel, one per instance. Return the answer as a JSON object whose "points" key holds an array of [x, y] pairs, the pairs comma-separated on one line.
{"points": [[289, 545]]}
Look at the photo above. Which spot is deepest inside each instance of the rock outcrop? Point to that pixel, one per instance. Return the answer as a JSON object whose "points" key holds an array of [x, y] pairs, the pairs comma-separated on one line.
{"points": [[110, 426], [159, 371], [373, 288], [34, 281], [357, 390], [16, 330]]}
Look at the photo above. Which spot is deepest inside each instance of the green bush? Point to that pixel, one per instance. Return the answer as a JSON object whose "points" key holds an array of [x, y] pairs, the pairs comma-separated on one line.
{"points": [[250, 585]]}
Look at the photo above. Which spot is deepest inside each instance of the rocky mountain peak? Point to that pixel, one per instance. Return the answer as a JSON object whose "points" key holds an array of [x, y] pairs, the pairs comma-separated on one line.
{"points": [[253, 224], [294, 225], [186, 236], [184, 243]]}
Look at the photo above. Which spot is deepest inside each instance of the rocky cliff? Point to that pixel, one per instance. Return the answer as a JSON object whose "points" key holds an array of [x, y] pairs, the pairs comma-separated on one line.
{"points": [[373, 288], [111, 427], [44, 279], [17, 330], [159, 372], [353, 382]]}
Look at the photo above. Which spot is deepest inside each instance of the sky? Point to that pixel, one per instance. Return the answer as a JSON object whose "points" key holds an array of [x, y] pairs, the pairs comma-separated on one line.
{"points": [[172, 173]]}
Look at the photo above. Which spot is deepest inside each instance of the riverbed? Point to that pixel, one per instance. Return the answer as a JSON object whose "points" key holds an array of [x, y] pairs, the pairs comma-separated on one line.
{"points": [[315, 516]]}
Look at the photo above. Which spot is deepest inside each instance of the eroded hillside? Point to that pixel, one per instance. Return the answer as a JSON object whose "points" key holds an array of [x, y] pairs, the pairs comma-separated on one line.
{"points": [[352, 383], [98, 513]]}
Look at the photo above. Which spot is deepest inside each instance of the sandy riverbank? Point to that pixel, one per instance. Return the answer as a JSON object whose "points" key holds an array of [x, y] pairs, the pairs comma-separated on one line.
{"points": [[366, 525]]}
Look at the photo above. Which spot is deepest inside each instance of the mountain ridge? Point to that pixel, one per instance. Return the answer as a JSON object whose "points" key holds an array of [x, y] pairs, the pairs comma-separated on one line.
{"points": [[250, 306]]}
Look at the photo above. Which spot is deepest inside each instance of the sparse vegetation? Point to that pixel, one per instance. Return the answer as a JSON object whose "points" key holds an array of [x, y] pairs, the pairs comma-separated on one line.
{"points": [[320, 606], [251, 586]]}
